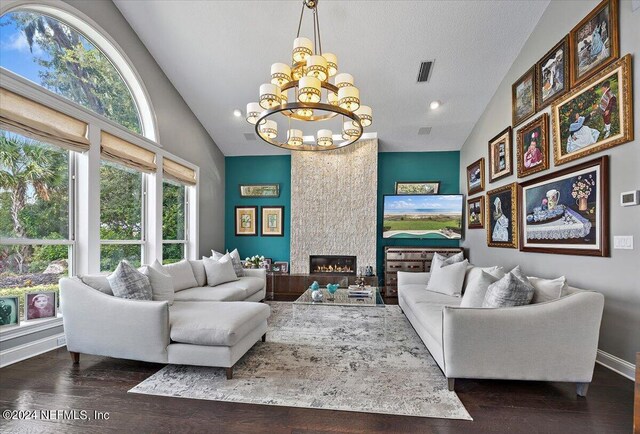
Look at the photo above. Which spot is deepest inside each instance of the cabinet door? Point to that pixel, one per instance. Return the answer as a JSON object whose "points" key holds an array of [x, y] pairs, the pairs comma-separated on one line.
{"points": [[415, 266]]}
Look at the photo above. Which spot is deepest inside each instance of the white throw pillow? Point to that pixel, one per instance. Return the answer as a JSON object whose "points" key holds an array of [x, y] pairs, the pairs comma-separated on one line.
{"points": [[219, 272], [182, 273], [448, 279], [198, 272], [216, 255], [439, 260], [97, 281], [514, 289], [476, 289], [161, 282], [474, 273], [547, 289]]}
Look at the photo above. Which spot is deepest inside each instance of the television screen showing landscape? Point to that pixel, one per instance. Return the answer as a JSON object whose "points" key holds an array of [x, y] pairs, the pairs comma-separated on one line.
{"points": [[423, 216]]}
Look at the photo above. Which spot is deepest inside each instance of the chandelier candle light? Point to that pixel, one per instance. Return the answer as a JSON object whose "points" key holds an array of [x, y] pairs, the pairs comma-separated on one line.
{"points": [[316, 99]]}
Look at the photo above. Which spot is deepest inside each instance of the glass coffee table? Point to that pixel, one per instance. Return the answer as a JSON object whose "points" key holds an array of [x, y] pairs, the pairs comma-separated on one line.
{"points": [[342, 298]]}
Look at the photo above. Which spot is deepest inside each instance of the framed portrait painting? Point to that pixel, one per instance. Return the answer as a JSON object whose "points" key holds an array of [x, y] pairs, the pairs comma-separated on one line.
{"points": [[523, 97], [594, 42], [272, 221], [259, 190], [567, 212], [475, 177], [9, 311], [502, 216], [595, 116], [552, 74], [421, 187], [246, 223], [533, 146], [39, 305], [500, 155], [475, 213]]}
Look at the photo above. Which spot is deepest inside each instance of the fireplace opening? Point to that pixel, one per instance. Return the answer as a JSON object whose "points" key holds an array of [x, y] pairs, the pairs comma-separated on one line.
{"points": [[332, 264]]}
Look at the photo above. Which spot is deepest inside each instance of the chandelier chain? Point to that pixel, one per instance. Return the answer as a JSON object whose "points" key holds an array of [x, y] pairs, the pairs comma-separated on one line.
{"points": [[300, 22]]}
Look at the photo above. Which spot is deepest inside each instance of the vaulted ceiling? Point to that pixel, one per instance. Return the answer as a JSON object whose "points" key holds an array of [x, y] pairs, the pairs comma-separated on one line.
{"points": [[217, 53]]}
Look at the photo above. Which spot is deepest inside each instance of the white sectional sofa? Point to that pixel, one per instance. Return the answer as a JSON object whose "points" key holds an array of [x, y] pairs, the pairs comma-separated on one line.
{"points": [[204, 326], [548, 341]]}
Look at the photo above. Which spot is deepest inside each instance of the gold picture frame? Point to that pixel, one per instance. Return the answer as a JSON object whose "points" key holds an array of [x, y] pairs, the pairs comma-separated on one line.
{"points": [[555, 65], [502, 223], [530, 161], [475, 213], [475, 177], [246, 223], [272, 221], [500, 150], [523, 97]]}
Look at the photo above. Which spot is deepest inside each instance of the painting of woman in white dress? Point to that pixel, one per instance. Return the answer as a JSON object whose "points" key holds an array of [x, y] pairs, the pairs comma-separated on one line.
{"points": [[501, 223], [502, 214], [580, 135]]}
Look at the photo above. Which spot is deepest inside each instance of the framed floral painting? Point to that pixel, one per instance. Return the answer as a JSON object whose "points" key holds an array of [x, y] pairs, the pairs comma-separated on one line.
{"points": [[552, 74], [594, 42], [502, 216], [246, 223], [533, 146], [272, 221], [595, 116], [523, 97], [500, 155], [475, 177], [422, 187], [567, 212], [475, 213]]}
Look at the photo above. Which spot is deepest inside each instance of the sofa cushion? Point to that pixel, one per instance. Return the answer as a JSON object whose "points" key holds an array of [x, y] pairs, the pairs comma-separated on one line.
{"points": [[97, 281], [237, 262], [198, 272], [207, 293], [476, 290], [547, 289], [219, 271], [511, 290], [248, 285], [182, 274], [161, 283], [127, 282], [416, 293], [448, 279], [430, 317], [442, 261], [215, 324]]}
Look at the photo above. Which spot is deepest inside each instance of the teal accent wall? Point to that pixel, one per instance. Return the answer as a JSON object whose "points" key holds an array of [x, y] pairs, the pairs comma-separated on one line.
{"points": [[257, 170], [415, 166], [392, 167]]}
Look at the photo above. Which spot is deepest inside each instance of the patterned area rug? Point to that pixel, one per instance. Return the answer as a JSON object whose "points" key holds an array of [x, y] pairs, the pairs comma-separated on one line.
{"points": [[364, 359]]}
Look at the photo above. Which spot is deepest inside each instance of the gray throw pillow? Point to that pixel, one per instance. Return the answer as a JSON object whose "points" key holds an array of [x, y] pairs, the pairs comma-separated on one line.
{"points": [[508, 291], [442, 261], [97, 281], [476, 290], [237, 263], [127, 282]]}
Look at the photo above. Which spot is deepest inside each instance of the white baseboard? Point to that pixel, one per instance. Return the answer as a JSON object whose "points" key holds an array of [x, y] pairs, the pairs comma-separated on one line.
{"points": [[616, 364], [30, 349]]}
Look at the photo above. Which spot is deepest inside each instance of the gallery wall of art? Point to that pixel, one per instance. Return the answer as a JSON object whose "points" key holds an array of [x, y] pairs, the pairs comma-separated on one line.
{"points": [[589, 260]]}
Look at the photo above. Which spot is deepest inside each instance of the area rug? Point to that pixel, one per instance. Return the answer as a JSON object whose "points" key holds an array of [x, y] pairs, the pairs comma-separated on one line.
{"points": [[364, 359]]}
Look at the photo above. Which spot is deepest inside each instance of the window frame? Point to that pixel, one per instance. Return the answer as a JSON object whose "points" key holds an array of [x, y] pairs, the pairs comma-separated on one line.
{"points": [[186, 205]]}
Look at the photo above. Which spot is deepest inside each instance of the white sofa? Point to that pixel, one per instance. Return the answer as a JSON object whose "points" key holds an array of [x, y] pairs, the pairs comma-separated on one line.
{"points": [[205, 326], [549, 341]]}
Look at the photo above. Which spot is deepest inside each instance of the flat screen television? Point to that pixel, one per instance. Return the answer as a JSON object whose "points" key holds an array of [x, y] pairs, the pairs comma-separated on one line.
{"points": [[423, 216]]}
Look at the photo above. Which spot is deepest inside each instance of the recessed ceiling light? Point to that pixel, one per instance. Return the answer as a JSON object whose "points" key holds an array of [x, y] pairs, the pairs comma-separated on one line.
{"points": [[237, 113], [434, 105]]}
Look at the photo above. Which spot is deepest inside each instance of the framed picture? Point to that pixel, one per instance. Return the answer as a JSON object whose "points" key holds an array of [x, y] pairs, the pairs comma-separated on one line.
{"points": [[272, 221], [523, 97], [502, 216], [259, 190], [533, 146], [567, 212], [246, 223], [475, 177], [594, 42], [422, 187], [475, 213], [9, 312], [500, 155], [281, 266], [39, 305], [552, 74], [267, 263], [595, 116]]}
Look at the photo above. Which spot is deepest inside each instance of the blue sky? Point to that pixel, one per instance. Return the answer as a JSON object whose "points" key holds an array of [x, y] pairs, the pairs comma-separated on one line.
{"points": [[445, 203], [14, 51]]}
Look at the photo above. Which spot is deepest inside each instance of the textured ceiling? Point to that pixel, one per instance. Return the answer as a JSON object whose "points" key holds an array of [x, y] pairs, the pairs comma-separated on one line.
{"points": [[217, 53]]}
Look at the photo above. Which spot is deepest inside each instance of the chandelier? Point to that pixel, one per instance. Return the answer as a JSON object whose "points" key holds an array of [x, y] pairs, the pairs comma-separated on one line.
{"points": [[302, 93]]}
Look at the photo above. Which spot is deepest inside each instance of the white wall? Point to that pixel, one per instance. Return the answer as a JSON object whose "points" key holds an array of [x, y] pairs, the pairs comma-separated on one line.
{"points": [[617, 277]]}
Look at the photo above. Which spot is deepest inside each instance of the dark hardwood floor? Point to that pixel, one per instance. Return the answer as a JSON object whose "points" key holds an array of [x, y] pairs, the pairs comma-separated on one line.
{"points": [[51, 382]]}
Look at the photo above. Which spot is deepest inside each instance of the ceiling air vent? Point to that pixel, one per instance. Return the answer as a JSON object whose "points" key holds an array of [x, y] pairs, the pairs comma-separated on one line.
{"points": [[424, 131], [250, 137], [425, 71]]}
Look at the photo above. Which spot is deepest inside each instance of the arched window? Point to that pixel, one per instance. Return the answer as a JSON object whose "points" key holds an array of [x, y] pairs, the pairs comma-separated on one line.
{"points": [[42, 45]]}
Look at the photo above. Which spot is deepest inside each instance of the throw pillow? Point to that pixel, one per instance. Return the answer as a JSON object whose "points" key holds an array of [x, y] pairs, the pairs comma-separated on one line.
{"points": [[237, 263], [198, 272], [474, 273], [127, 282], [476, 290], [216, 255], [97, 281], [547, 289], [161, 282], [219, 272], [440, 261], [182, 273], [509, 291], [448, 279]]}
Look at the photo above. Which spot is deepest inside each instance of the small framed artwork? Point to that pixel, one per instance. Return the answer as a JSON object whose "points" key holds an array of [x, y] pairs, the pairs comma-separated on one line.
{"points": [[39, 305], [272, 221], [259, 190], [594, 42], [595, 116], [475, 177], [266, 264], [502, 216], [567, 212], [533, 146], [281, 266], [523, 97], [422, 187], [500, 155], [9, 312], [475, 213], [246, 223], [552, 74]]}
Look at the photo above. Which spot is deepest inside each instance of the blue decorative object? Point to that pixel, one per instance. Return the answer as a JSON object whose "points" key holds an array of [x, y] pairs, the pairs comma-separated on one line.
{"points": [[315, 286], [332, 288]]}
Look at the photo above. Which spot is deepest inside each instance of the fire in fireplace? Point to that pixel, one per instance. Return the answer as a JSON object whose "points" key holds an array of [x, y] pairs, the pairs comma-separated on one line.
{"points": [[332, 264]]}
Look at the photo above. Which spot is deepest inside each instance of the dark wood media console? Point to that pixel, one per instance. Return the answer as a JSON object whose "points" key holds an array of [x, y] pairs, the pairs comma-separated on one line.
{"points": [[288, 287]]}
